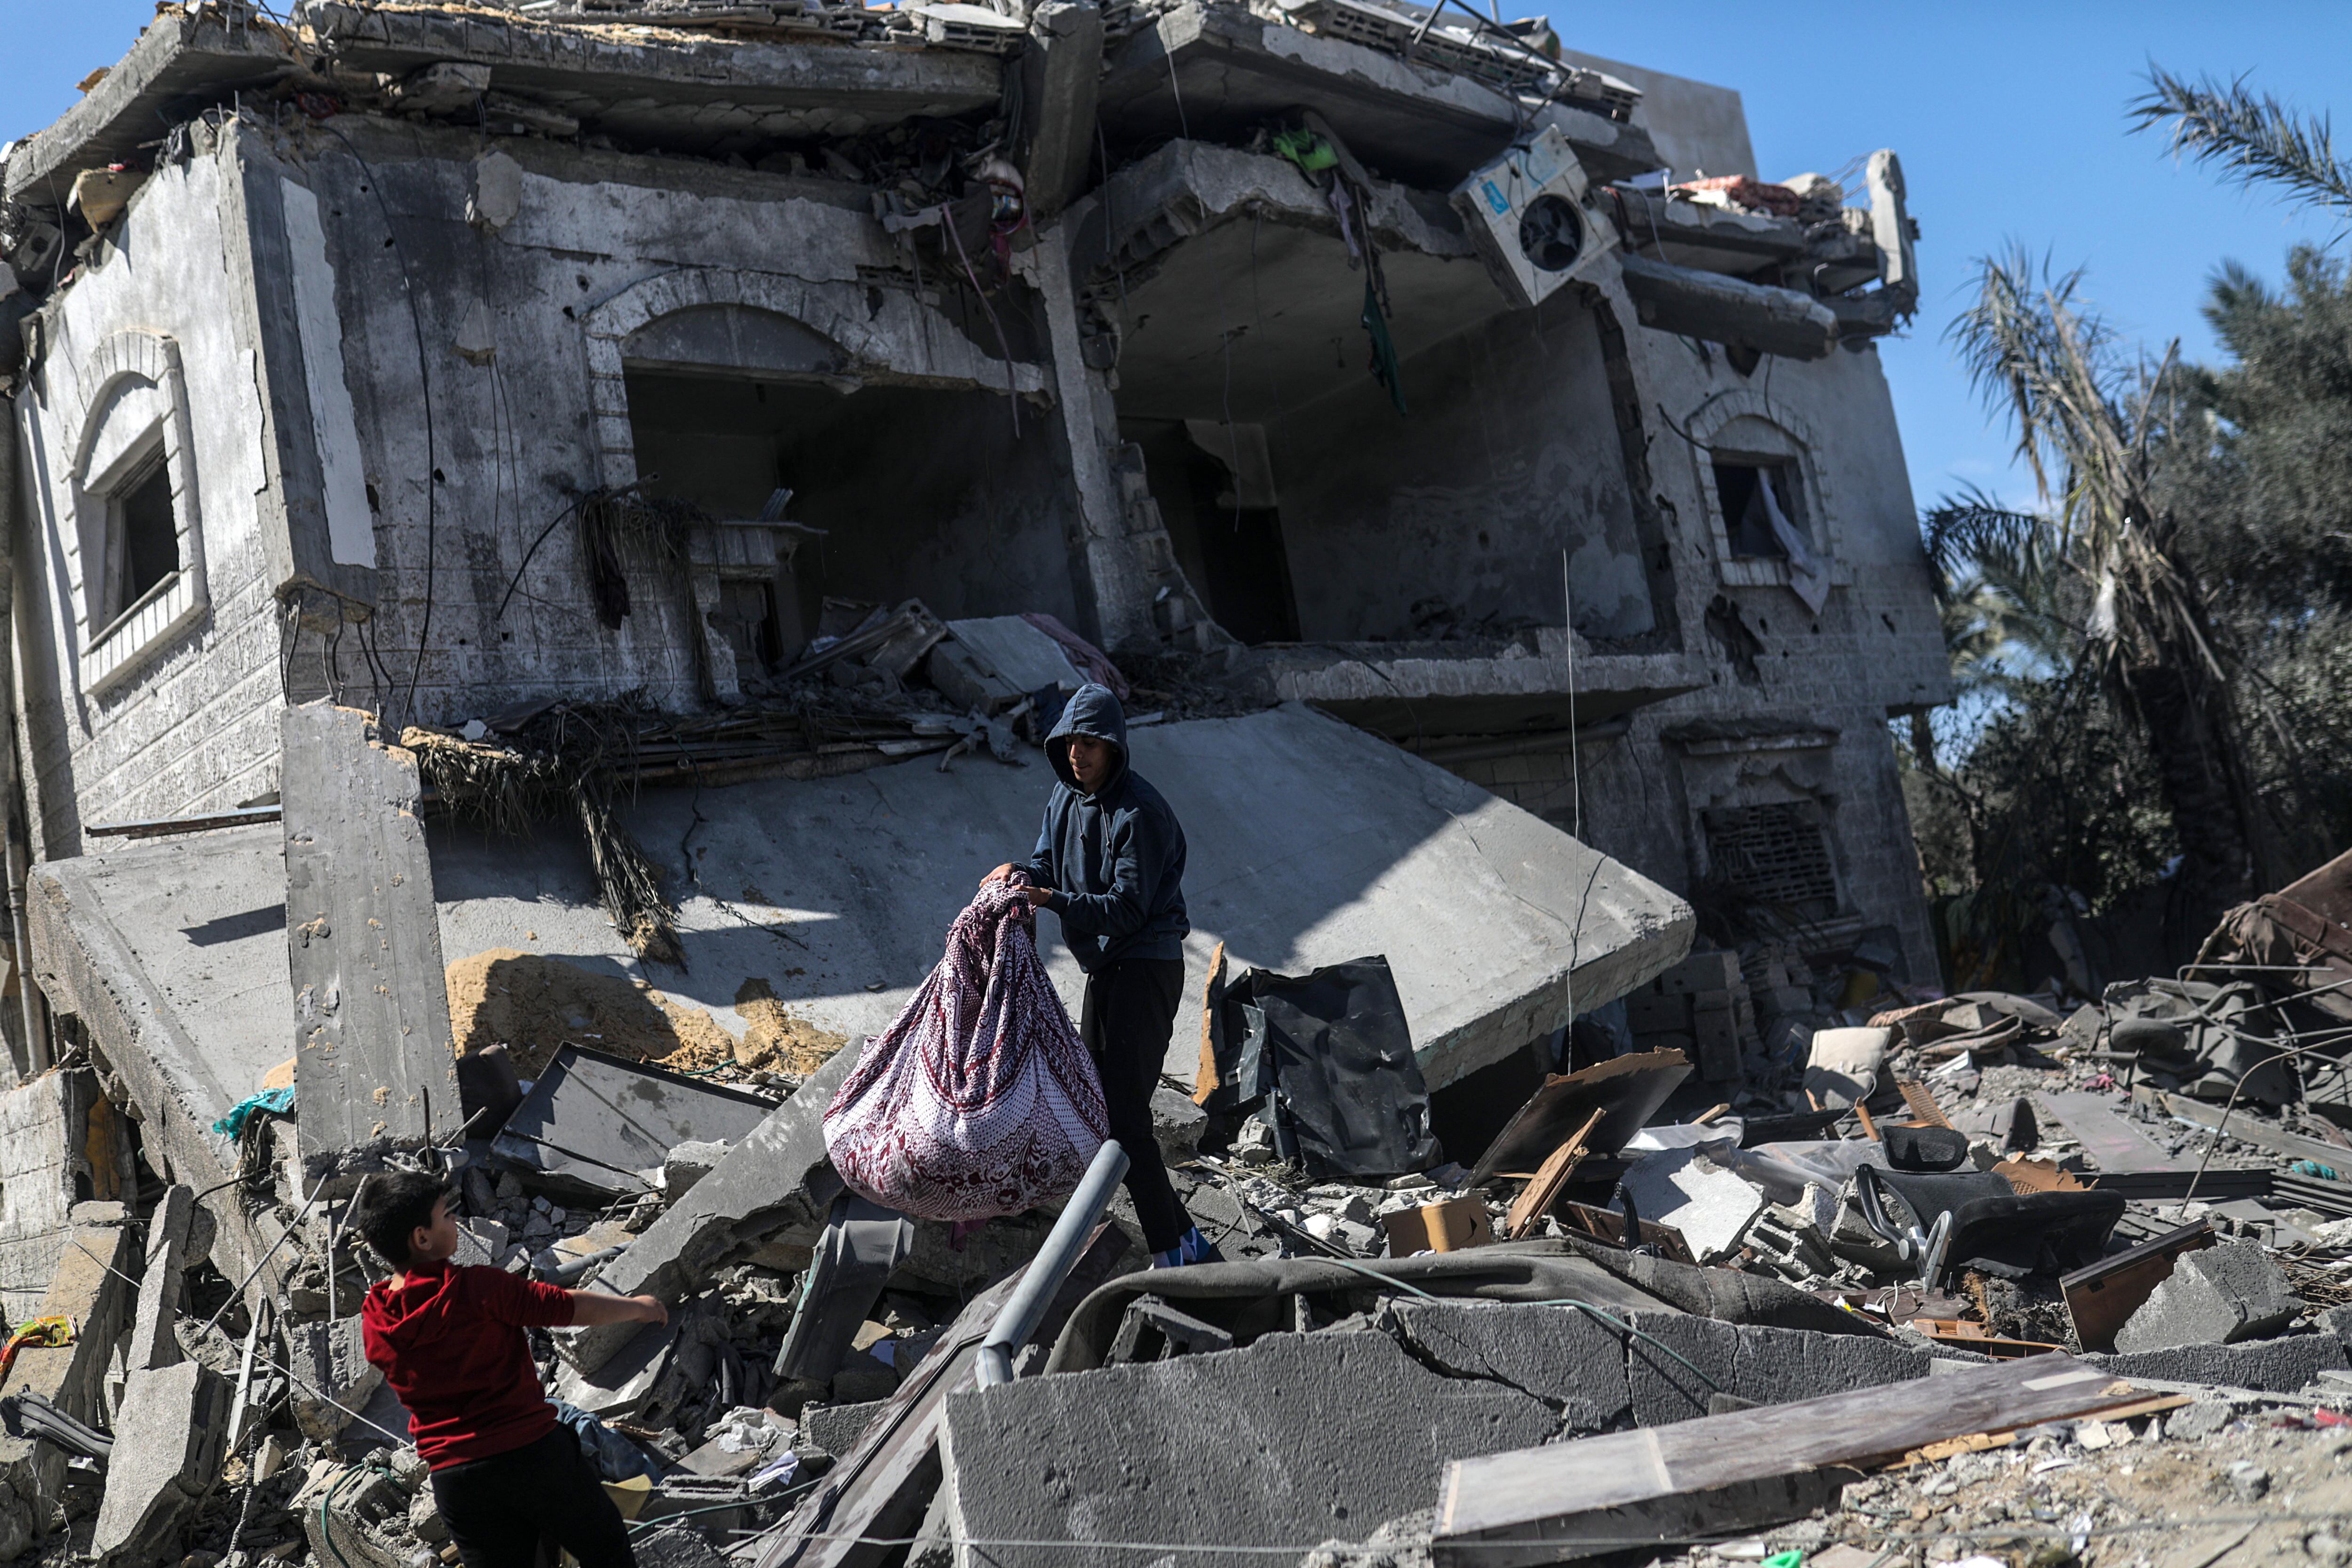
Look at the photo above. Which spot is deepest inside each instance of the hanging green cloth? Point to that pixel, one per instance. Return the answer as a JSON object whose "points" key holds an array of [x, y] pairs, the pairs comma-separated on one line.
{"points": [[1384, 355]]}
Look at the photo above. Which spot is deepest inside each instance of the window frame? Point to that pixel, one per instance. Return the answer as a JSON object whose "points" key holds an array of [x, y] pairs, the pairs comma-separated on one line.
{"points": [[118, 640], [1816, 512]]}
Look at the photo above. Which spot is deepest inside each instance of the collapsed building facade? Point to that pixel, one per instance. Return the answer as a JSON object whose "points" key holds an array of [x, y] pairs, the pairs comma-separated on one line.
{"points": [[1530, 532]]}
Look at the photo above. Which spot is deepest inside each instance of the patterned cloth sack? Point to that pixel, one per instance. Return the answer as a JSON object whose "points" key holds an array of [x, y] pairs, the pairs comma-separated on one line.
{"points": [[980, 1098]]}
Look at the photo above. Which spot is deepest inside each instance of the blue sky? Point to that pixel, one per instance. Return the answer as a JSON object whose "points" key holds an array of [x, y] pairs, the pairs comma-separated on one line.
{"points": [[2008, 117], [2010, 122]]}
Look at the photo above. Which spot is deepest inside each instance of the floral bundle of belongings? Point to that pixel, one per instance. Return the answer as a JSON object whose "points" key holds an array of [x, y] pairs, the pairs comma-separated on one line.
{"points": [[979, 1100]]}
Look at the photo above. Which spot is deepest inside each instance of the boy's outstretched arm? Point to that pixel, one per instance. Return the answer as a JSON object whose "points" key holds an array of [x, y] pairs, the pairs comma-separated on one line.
{"points": [[595, 1306]]}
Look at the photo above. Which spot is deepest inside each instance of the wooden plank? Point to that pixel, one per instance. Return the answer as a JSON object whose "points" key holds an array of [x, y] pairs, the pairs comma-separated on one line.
{"points": [[1598, 1494], [2103, 1295], [1213, 1001], [1609, 1225], [1536, 1197]]}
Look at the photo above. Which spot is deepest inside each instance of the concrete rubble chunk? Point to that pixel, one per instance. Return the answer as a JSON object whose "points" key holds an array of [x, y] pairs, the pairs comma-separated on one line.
{"points": [[153, 1343], [2215, 1297], [686, 1164], [1284, 1440], [777, 1177], [833, 1429], [1177, 1123], [1710, 1204], [333, 1378], [1574, 1365], [167, 1453], [1761, 1365]]}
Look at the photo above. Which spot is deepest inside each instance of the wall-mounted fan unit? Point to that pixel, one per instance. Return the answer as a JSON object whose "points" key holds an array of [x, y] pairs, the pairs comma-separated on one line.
{"points": [[1527, 214]]}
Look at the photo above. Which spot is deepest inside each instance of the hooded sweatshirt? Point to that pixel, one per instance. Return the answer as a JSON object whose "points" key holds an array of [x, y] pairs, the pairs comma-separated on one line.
{"points": [[1114, 858], [450, 1342]]}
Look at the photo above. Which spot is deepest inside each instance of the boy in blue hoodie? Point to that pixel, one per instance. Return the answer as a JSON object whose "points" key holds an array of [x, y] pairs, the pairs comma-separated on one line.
{"points": [[1110, 862]]}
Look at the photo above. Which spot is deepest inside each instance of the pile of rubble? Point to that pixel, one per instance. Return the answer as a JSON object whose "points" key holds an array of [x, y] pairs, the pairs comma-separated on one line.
{"points": [[2129, 1322]]}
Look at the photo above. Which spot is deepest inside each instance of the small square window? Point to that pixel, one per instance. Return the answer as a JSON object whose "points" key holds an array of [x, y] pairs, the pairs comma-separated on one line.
{"points": [[1751, 494], [142, 546]]}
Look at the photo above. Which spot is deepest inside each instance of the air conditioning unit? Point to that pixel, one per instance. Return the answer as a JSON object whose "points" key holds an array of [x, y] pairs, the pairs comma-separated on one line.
{"points": [[1527, 215]]}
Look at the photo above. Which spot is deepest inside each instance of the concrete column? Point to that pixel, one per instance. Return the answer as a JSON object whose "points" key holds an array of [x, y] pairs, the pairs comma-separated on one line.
{"points": [[1059, 73], [373, 1063], [1117, 578]]}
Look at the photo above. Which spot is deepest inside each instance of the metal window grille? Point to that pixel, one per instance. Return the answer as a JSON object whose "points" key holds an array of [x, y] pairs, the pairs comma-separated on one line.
{"points": [[1778, 853]]}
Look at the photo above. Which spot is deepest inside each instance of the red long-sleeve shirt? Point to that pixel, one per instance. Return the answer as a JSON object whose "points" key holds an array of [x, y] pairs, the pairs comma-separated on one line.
{"points": [[450, 1342]]}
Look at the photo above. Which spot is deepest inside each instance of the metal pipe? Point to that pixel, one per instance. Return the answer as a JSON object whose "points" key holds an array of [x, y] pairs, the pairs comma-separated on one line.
{"points": [[1044, 1276]]}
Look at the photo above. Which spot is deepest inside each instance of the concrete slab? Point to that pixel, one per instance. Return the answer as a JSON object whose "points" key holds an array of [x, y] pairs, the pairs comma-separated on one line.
{"points": [[1562, 1357], [374, 1067], [1291, 1439], [174, 956], [334, 1379], [2276, 1366], [154, 1344], [167, 1450], [1310, 843], [1761, 1365], [777, 1177]]}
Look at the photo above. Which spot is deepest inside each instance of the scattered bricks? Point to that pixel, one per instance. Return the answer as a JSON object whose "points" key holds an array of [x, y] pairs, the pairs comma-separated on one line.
{"points": [[2216, 1297], [1715, 1035], [332, 1376], [168, 1442], [2274, 1366], [1700, 973], [355, 1517], [1647, 1013], [1794, 1248], [833, 1430]]}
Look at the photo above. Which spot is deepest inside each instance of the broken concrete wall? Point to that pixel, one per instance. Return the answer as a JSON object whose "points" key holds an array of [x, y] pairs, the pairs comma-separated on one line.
{"points": [[140, 356], [600, 305], [1510, 458], [1696, 127], [44, 1171]]}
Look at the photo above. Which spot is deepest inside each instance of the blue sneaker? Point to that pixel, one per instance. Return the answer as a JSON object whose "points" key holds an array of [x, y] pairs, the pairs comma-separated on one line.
{"points": [[1194, 1249]]}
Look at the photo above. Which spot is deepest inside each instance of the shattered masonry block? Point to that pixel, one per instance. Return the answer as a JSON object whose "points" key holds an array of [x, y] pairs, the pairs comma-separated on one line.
{"points": [[1276, 1442], [686, 1164], [2216, 1297], [2272, 1366], [833, 1429], [333, 1377]]}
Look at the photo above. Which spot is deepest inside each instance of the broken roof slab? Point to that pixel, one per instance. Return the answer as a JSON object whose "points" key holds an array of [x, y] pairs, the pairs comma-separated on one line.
{"points": [[683, 90], [1412, 692], [1310, 842], [174, 956], [1215, 71], [1234, 281], [179, 65]]}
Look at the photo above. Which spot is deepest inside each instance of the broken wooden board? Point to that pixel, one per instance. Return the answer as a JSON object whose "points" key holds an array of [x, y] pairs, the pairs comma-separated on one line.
{"points": [[2103, 1295], [1745, 1470], [2132, 1163], [1609, 1225], [1629, 1090], [1535, 1199]]}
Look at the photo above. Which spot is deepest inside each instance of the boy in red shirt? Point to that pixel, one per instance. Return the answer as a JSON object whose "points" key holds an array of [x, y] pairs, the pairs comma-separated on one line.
{"points": [[451, 1344]]}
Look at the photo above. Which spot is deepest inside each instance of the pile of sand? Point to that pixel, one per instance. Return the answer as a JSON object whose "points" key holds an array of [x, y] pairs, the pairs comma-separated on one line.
{"points": [[532, 1004]]}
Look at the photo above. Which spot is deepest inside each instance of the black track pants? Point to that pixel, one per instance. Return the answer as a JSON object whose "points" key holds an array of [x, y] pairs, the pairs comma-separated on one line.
{"points": [[1127, 1019], [498, 1508]]}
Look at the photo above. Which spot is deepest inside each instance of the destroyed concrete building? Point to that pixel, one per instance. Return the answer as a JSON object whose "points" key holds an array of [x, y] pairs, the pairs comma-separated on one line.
{"points": [[547, 526]]}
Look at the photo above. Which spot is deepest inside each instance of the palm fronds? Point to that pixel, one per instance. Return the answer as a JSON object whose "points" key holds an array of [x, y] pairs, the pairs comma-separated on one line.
{"points": [[2252, 137]]}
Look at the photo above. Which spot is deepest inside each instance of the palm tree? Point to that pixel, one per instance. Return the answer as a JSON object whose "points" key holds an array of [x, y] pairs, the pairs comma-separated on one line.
{"points": [[2090, 427]]}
